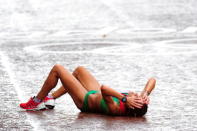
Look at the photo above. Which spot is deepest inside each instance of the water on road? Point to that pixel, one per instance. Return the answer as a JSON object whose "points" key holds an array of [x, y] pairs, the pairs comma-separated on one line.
{"points": [[123, 43]]}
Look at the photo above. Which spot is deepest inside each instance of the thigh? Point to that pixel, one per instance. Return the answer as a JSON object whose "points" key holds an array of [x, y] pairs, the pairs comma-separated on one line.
{"points": [[72, 85], [86, 79]]}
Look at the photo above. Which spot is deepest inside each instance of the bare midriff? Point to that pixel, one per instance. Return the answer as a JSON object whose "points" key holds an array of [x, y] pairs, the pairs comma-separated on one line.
{"points": [[94, 102]]}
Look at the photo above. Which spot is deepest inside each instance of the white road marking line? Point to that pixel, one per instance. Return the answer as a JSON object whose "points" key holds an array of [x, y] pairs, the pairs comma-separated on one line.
{"points": [[162, 45], [7, 66]]}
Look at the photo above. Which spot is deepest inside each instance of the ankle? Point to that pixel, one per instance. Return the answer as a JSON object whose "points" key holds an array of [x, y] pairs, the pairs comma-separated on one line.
{"points": [[37, 100], [50, 96]]}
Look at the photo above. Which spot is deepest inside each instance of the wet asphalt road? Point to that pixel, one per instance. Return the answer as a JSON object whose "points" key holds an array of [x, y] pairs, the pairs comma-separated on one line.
{"points": [[123, 43]]}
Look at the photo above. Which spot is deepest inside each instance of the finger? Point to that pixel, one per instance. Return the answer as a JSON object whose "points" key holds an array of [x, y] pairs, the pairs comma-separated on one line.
{"points": [[148, 101], [145, 100], [133, 104], [145, 97], [140, 101], [132, 107], [138, 105]]}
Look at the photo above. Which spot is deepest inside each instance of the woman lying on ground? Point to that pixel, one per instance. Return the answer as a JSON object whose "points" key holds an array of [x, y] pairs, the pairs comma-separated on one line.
{"points": [[88, 95]]}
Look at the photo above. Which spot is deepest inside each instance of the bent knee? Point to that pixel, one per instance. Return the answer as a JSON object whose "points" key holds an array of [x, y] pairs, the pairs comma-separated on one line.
{"points": [[58, 67], [78, 70]]}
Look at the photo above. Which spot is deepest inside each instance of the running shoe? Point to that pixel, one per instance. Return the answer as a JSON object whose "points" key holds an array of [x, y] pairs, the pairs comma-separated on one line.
{"points": [[49, 102], [32, 105]]}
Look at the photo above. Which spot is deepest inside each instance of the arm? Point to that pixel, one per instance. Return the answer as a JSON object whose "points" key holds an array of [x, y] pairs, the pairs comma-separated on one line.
{"points": [[107, 91], [150, 85], [107, 94], [132, 101]]}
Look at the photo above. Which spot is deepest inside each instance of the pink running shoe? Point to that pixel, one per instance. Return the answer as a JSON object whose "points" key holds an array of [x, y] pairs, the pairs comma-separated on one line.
{"points": [[49, 102], [31, 105]]}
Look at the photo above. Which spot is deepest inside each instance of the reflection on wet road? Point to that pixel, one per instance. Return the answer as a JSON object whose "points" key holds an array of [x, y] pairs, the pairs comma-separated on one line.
{"points": [[122, 43]]}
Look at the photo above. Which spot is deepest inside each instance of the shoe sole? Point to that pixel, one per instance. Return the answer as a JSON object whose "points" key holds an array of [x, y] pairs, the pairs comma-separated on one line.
{"points": [[49, 106], [36, 109], [40, 107]]}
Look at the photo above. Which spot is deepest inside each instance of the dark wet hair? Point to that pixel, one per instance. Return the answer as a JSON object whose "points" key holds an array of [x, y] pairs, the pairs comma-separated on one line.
{"points": [[137, 112]]}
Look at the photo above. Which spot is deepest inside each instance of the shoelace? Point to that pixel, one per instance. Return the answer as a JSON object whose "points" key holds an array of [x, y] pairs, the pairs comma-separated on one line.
{"points": [[31, 103]]}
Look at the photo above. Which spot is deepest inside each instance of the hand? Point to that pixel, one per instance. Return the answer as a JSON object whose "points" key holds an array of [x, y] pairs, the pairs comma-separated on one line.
{"points": [[145, 98], [134, 101]]}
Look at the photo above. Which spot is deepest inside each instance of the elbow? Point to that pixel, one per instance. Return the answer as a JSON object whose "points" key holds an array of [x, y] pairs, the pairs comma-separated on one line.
{"points": [[103, 88]]}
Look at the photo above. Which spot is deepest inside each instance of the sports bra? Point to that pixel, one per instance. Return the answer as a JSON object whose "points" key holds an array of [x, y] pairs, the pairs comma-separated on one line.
{"points": [[103, 105]]}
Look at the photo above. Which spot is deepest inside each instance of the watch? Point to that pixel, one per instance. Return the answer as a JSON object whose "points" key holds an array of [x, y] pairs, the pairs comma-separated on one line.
{"points": [[124, 99]]}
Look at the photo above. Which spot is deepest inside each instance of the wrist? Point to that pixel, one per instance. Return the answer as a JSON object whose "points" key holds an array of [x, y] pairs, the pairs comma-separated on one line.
{"points": [[145, 92]]}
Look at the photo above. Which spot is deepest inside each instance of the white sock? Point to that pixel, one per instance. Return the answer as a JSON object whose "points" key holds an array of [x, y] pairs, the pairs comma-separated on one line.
{"points": [[36, 100], [50, 96]]}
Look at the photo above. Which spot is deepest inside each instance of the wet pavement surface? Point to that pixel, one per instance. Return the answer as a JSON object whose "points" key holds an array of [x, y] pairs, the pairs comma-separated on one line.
{"points": [[123, 43]]}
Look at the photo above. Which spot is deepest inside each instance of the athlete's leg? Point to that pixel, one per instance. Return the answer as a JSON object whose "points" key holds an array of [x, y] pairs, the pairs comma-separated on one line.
{"points": [[69, 82], [59, 92], [86, 79]]}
